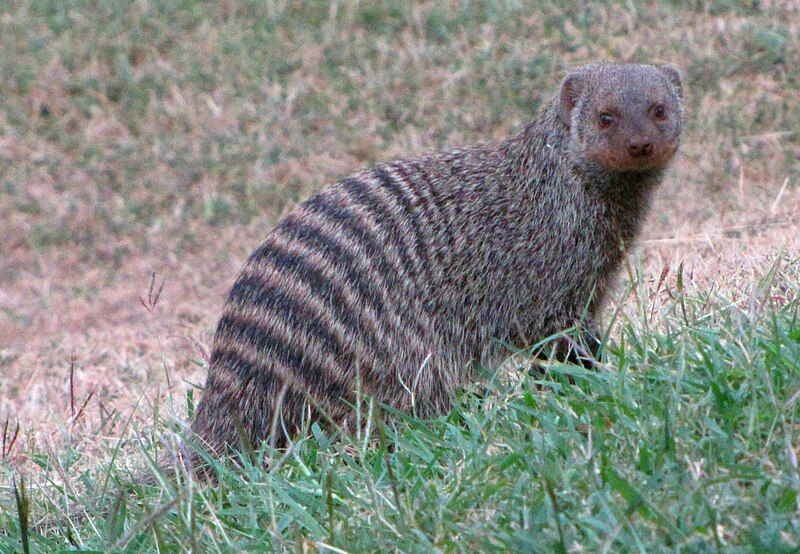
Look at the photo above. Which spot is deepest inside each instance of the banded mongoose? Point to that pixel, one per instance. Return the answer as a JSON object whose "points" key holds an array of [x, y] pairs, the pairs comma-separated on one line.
{"points": [[396, 280]]}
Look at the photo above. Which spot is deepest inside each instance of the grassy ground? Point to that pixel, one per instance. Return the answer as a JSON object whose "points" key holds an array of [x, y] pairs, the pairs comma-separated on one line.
{"points": [[142, 138], [687, 440]]}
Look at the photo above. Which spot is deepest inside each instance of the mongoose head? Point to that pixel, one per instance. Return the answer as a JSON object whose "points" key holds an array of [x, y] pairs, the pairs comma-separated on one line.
{"points": [[622, 118]]}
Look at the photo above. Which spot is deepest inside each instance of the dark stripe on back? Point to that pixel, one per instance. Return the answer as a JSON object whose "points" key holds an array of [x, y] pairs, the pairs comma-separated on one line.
{"points": [[224, 359], [359, 191], [257, 413], [329, 249], [437, 203], [396, 191], [349, 221], [289, 355], [274, 299], [431, 218], [336, 254]]}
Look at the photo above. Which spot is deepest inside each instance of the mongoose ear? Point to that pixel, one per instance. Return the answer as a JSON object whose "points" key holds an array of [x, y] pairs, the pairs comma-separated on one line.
{"points": [[674, 78], [571, 90]]}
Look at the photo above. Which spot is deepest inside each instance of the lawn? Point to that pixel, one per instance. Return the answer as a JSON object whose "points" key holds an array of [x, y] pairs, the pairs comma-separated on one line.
{"points": [[146, 147]]}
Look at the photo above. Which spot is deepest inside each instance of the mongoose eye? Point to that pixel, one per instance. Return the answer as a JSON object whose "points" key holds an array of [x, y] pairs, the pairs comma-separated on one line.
{"points": [[606, 119], [659, 111]]}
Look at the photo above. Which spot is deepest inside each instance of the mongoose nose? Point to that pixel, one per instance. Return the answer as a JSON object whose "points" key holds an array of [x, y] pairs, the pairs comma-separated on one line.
{"points": [[640, 150]]}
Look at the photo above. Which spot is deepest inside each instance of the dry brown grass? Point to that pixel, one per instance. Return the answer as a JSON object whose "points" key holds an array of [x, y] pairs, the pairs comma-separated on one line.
{"points": [[140, 140]]}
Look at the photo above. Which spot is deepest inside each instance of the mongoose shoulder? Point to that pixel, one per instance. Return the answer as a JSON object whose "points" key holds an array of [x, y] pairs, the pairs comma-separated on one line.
{"points": [[395, 279]]}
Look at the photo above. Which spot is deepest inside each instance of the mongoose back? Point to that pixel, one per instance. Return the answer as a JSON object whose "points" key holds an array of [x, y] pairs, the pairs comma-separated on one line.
{"points": [[395, 280]]}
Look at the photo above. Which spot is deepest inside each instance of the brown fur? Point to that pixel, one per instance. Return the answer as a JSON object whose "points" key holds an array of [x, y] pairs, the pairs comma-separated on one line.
{"points": [[402, 275]]}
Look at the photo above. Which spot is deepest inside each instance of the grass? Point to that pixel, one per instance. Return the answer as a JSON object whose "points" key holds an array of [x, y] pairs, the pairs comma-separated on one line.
{"points": [[145, 148], [685, 440]]}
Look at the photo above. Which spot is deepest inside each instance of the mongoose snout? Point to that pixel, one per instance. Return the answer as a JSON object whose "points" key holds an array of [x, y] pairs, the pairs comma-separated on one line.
{"points": [[640, 149], [399, 280]]}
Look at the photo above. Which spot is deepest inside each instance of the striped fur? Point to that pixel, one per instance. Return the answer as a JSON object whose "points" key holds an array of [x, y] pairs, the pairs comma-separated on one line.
{"points": [[397, 278]]}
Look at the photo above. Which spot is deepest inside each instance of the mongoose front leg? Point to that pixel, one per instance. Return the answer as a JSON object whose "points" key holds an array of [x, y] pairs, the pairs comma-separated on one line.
{"points": [[585, 351], [584, 348]]}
